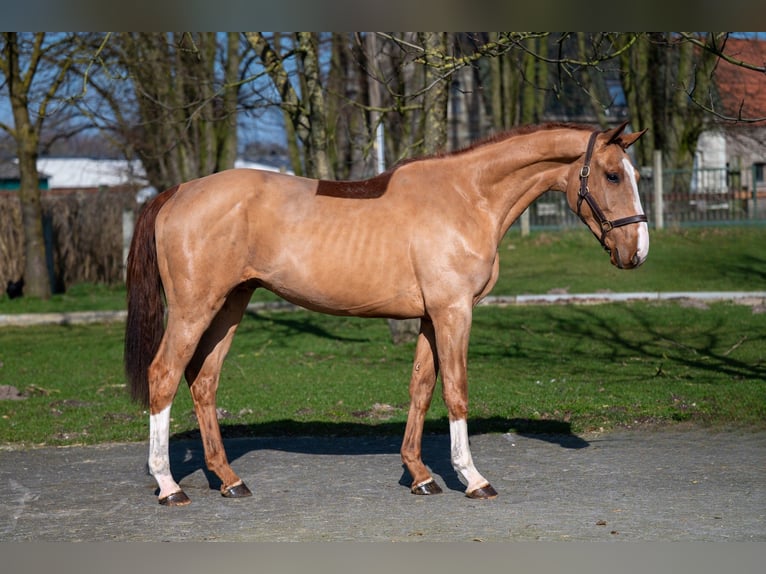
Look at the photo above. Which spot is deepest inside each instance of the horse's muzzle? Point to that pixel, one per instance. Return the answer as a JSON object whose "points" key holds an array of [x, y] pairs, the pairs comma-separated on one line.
{"points": [[621, 263]]}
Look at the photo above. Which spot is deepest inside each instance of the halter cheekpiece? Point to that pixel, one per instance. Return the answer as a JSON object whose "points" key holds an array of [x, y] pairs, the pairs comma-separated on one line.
{"points": [[605, 224]]}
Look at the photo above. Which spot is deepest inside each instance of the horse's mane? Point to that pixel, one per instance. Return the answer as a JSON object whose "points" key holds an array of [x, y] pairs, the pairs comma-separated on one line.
{"points": [[498, 137], [517, 131]]}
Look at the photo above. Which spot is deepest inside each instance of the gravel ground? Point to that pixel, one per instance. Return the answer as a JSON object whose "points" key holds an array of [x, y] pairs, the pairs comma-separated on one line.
{"points": [[639, 485]]}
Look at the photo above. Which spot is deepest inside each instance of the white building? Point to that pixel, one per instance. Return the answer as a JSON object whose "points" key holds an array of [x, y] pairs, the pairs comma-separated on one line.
{"points": [[87, 173]]}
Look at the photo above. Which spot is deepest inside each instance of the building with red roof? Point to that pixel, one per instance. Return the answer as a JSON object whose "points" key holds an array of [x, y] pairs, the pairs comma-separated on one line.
{"points": [[740, 112]]}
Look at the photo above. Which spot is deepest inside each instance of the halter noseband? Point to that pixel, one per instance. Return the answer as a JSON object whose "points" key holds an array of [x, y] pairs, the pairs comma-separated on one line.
{"points": [[605, 224]]}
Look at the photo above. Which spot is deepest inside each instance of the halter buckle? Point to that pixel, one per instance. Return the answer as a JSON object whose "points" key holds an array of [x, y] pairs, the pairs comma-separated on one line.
{"points": [[584, 172], [607, 226]]}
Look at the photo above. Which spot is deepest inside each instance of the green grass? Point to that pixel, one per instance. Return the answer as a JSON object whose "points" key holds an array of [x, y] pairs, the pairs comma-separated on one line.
{"points": [[695, 259], [84, 297], [540, 368], [532, 369]]}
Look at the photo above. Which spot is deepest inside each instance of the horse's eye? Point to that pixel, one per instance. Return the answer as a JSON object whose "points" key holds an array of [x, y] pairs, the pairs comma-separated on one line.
{"points": [[613, 177]]}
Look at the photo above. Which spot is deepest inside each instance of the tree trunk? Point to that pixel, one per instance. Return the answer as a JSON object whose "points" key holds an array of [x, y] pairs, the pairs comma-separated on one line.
{"points": [[258, 42], [306, 112], [504, 85], [27, 137], [496, 89], [350, 127], [37, 282], [227, 127], [317, 156], [530, 95], [636, 86], [188, 124], [435, 99]]}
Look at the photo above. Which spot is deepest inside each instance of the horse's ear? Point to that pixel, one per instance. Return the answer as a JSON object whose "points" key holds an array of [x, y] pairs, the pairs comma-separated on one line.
{"points": [[627, 140], [623, 140], [614, 133]]}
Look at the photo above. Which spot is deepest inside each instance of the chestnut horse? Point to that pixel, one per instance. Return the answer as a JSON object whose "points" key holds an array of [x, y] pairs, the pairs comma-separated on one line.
{"points": [[419, 241]]}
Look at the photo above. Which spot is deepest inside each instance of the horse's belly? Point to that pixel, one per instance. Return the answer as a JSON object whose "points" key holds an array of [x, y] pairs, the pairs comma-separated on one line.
{"points": [[362, 299], [366, 291]]}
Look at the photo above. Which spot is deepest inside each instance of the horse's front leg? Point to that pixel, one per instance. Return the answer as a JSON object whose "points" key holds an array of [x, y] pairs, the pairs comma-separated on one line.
{"points": [[422, 383], [452, 334]]}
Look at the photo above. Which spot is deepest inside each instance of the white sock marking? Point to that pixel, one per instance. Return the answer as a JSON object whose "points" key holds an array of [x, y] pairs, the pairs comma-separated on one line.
{"points": [[159, 456], [462, 461]]}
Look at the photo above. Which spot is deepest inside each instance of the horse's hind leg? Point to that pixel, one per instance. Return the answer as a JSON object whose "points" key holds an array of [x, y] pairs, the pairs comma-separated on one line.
{"points": [[203, 374], [422, 383], [175, 351]]}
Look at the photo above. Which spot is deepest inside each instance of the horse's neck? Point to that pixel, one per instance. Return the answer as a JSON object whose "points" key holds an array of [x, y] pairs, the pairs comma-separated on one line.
{"points": [[517, 170]]}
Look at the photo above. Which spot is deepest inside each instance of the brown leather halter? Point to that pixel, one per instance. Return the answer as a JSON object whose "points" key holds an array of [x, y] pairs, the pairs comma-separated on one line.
{"points": [[605, 224]]}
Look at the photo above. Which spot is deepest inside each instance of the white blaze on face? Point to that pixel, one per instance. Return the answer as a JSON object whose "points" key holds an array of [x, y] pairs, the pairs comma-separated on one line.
{"points": [[643, 228]]}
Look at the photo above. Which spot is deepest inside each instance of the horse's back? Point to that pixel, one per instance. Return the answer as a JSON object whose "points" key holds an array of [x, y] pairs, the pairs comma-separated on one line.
{"points": [[240, 184]]}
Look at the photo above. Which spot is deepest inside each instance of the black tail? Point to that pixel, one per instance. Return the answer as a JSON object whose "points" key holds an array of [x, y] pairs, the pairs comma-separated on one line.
{"points": [[145, 323]]}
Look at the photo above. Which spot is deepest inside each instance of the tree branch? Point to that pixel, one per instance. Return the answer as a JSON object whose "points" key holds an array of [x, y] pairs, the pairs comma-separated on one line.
{"points": [[713, 48]]}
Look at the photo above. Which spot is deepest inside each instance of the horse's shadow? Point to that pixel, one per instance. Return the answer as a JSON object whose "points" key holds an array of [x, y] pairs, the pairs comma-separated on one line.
{"points": [[350, 439]]}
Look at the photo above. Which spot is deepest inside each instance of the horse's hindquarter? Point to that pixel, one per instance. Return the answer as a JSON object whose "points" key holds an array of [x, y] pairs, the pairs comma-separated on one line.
{"points": [[200, 236]]}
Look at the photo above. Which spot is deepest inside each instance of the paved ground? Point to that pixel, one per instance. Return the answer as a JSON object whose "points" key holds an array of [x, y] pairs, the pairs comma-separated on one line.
{"points": [[655, 485]]}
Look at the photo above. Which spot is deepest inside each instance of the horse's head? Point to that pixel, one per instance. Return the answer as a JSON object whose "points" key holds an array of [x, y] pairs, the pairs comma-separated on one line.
{"points": [[603, 191]]}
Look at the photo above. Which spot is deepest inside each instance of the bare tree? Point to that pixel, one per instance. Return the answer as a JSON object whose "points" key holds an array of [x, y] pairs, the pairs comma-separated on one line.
{"points": [[435, 91], [171, 99], [658, 71], [35, 68], [353, 104], [710, 100], [303, 107]]}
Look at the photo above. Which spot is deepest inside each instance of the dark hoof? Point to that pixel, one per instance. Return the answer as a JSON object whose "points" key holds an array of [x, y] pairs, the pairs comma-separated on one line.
{"points": [[176, 499], [482, 493], [236, 491], [429, 487]]}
